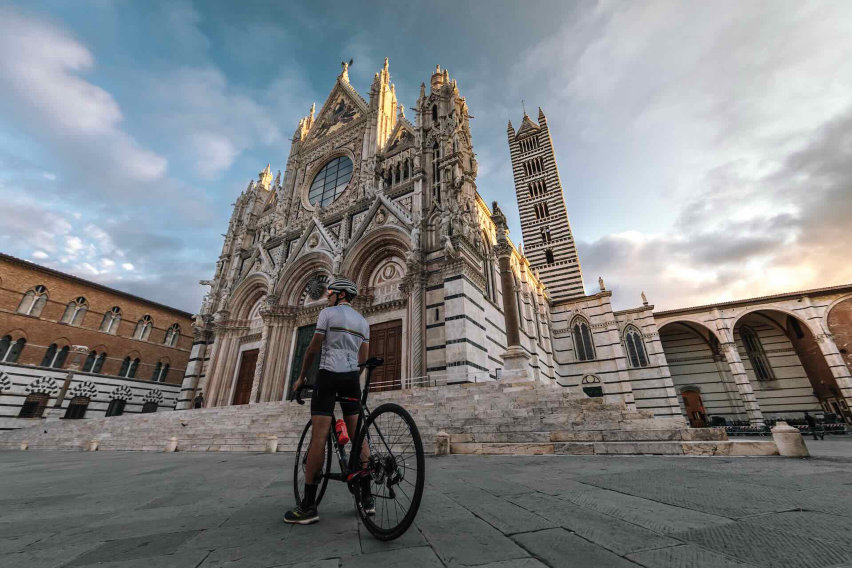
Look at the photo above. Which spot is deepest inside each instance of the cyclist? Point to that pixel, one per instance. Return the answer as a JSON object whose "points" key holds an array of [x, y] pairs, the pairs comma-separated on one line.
{"points": [[341, 338]]}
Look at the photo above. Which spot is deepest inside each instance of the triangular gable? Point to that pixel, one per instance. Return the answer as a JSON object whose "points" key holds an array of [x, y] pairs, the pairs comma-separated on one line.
{"points": [[259, 260], [343, 106], [394, 214], [324, 240], [402, 136]]}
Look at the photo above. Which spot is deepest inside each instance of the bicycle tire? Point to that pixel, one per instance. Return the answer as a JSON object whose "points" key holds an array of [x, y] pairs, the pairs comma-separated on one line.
{"points": [[298, 467], [378, 446]]}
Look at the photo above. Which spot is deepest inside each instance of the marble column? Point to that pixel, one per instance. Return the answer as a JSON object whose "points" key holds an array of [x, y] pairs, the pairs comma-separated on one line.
{"points": [[515, 358], [837, 365], [738, 372], [189, 387]]}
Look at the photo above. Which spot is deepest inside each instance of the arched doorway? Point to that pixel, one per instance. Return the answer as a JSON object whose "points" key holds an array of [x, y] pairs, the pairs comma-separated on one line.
{"points": [[697, 365], [694, 407]]}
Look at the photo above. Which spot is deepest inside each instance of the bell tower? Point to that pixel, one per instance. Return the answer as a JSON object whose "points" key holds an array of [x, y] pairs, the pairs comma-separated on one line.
{"points": [[548, 240]]}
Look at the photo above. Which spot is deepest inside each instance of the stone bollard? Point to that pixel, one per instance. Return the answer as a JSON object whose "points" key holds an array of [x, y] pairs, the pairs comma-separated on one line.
{"points": [[271, 444], [789, 440], [92, 446], [25, 445], [442, 444], [171, 445]]}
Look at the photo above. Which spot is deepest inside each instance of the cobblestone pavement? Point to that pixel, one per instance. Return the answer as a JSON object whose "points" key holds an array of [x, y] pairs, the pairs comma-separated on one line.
{"points": [[207, 510]]}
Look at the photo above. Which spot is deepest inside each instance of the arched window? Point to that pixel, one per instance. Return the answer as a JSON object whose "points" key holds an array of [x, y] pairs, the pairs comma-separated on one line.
{"points": [[548, 256], [149, 407], [55, 357], [143, 328], [111, 320], [635, 347], [125, 366], [34, 405], [116, 407], [160, 372], [75, 311], [33, 301], [436, 172], [405, 169], [99, 362], [172, 335], [434, 113], [77, 408], [9, 352], [756, 354], [129, 368], [582, 335], [89, 363]]}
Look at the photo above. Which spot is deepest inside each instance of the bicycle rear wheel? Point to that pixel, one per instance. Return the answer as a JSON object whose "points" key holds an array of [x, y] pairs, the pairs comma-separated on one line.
{"points": [[301, 462], [397, 469]]}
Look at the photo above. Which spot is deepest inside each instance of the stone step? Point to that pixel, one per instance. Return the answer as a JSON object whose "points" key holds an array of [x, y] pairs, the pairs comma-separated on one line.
{"points": [[669, 448]]}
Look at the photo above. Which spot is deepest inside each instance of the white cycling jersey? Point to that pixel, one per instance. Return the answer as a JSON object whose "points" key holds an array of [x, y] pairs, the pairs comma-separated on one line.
{"points": [[345, 330]]}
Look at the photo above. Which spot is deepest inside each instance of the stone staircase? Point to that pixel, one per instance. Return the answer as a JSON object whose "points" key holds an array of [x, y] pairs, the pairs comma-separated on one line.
{"points": [[478, 418]]}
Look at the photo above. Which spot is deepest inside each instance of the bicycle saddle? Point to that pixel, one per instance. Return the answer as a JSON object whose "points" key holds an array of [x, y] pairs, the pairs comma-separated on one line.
{"points": [[372, 362]]}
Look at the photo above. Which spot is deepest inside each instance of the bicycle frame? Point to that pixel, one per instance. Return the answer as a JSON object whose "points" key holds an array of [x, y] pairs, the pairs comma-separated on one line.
{"points": [[352, 464]]}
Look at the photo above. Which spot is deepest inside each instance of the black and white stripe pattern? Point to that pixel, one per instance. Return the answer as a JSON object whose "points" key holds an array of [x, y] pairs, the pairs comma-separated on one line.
{"points": [[534, 162]]}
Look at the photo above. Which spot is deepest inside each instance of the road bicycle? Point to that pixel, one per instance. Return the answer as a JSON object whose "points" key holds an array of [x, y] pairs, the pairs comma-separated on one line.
{"points": [[393, 461]]}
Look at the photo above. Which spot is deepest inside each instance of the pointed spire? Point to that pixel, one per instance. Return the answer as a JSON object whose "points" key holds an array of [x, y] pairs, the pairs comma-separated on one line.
{"points": [[422, 90], [541, 118], [313, 109], [264, 178], [385, 68], [510, 128]]}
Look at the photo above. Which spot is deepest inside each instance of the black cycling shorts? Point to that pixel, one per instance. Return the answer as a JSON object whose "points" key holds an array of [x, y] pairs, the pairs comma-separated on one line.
{"points": [[328, 386]]}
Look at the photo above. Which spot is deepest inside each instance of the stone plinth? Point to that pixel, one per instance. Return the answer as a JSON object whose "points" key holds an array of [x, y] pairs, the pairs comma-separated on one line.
{"points": [[789, 441]]}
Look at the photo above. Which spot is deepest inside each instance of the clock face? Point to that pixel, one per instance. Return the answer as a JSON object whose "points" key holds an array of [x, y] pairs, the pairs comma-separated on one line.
{"points": [[330, 182]]}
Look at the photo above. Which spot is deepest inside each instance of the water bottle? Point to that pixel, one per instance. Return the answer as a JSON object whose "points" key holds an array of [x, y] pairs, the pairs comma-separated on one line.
{"points": [[340, 430]]}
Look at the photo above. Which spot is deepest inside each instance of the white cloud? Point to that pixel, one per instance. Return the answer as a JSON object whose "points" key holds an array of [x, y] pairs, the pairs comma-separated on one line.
{"points": [[45, 93], [127, 266], [39, 254], [713, 131]]}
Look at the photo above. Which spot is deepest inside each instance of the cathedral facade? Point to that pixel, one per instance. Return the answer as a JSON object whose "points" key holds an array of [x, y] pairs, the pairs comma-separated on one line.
{"points": [[392, 203]]}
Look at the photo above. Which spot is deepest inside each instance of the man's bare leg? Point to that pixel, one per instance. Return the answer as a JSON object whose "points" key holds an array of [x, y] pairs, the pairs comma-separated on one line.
{"points": [[316, 452]]}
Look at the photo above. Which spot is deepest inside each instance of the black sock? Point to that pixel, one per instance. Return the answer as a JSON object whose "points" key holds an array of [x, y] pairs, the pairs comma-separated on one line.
{"points": [[310, 495]]}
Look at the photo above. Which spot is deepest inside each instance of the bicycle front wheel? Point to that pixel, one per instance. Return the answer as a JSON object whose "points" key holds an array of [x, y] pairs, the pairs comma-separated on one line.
{"points": [[397, 470], [301, 464]]}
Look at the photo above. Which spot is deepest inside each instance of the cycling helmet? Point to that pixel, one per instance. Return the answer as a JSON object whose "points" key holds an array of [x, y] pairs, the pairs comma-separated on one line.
{"points": [[344, 285]]}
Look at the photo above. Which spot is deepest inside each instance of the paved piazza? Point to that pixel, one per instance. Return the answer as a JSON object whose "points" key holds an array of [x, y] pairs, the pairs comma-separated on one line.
{"points": [[193, 510]]}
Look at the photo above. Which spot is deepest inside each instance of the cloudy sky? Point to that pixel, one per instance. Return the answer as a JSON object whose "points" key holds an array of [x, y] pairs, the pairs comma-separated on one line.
{"points": [[705, 148]]}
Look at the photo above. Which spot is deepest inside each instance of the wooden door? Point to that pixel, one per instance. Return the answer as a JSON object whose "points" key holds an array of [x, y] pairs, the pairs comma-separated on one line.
{"points": [[695, 412], [248, 361], [386, 342], [303, 338]]}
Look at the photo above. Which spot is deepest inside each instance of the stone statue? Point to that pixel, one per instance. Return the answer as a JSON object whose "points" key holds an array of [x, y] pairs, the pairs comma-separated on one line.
{"points": [[601, 283], [415, 234], [644, 299], [337, 263], [449, 249], [445, 221], [467, 222]]}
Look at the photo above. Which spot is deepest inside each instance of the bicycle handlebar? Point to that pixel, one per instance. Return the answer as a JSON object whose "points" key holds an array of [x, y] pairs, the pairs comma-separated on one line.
{"points": [[298, 396]]}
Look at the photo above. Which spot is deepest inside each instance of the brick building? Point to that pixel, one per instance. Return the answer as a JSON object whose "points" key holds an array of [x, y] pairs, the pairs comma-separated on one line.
{"points": [[45, 313]]}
